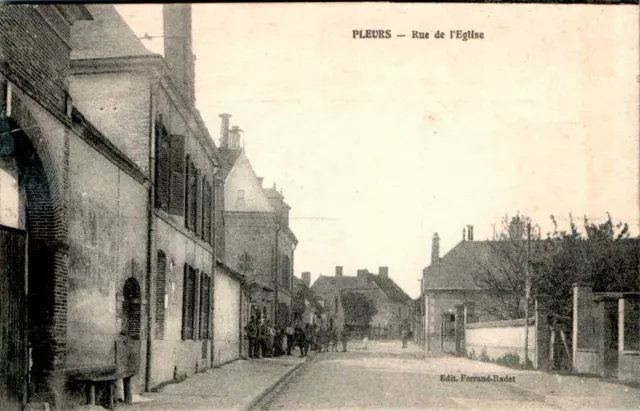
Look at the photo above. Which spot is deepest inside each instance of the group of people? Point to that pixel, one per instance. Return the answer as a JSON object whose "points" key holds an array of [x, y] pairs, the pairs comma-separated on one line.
{"points": [[266, 340]]}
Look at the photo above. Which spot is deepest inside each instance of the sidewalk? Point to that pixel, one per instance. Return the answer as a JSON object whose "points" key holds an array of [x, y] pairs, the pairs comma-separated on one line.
{"points": [[234, 386]]}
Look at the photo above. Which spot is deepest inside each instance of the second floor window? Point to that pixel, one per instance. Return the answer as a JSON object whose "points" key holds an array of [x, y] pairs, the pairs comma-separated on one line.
{"points": [[169, 173], [245, 263]]}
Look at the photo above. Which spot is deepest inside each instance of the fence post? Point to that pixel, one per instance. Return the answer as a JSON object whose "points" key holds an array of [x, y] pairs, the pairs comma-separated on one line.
{"points": [[459, 330], [543, 333]]}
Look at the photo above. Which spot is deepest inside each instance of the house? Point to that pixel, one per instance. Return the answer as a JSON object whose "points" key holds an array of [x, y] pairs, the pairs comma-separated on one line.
{"points": [[145, 106], [74, 221], [258, 240], [392, 303]]}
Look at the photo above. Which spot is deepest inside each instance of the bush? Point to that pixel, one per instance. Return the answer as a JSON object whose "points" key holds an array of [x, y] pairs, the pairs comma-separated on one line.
{"points": [[483, 356], [472, 355]]}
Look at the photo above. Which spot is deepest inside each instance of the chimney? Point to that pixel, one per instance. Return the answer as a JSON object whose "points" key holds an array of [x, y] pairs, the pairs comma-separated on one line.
{"points": [[234, 137], [516, 228], [178, 52], [383, 272], [464, 235], [338, 271], [363, 273], [470, 232], [224, 129], [435, 249], [260, 179], [306, 278]]}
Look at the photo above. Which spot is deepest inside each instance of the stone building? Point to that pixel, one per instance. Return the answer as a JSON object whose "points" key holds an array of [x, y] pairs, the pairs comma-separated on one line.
{"points": [[258, 240], [392, 303], [145, 105]]}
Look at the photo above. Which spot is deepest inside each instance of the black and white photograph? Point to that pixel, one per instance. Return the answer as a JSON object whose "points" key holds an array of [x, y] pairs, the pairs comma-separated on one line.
{"points": [[319, 206]]}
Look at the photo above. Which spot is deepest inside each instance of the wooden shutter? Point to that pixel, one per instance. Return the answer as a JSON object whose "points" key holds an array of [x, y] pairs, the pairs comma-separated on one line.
{"points": [[204, 307], [193, 195], [188, 302], [163, 165], [198, 204], [176, 198], [161, 279]]}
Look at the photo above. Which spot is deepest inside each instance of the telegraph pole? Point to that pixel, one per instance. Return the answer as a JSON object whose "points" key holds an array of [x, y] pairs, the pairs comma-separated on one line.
{"points": [[527, 295]]}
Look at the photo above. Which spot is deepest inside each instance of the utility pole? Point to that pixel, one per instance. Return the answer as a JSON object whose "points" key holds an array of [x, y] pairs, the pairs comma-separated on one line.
{"points": [[527, 295]]}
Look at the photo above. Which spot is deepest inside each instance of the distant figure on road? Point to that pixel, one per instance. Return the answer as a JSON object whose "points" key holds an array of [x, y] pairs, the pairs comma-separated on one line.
{"points": [[269, 334], [252, 335], [261, 345], [344, 336], [365, 340], [333, 337], [308, 338], [404, 334], [290, 332]]}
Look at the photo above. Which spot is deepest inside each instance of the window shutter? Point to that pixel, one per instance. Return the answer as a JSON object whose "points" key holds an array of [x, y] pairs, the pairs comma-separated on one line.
{"points": [[198, 204], [204, 303], [187, 197], [185, 303], [192, 198], [176, 198], [163, 165], [195, 311]]}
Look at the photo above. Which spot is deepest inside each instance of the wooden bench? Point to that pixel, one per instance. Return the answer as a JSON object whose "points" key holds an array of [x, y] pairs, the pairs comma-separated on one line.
{"points": [[127, 360]]}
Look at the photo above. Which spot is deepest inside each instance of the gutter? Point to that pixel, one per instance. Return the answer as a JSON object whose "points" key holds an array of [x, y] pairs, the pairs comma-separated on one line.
{"points": [[295, 245], [150, 235]]}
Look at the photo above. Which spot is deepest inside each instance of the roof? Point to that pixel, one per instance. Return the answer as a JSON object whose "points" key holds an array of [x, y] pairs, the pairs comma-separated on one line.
{"points": [[272, 192], [228, 158], [106, 36], [325, 285], [455, 269], [390, 288], [230, 271]]}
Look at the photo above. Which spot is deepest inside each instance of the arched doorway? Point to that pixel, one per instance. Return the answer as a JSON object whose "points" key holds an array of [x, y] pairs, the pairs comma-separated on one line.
{"points": [[31, 257]]}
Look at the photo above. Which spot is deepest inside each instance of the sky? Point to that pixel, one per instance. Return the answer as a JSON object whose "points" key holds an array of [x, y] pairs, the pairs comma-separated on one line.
{"points": [[379, 143]]}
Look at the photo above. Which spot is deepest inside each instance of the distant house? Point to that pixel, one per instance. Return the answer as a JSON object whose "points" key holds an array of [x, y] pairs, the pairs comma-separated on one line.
{"points": [[392, 303], [258, 241]]}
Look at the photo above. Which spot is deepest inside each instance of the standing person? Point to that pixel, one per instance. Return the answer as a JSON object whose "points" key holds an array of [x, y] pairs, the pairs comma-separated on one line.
{"points": [[333, 336], [269, 336], [261, 346], [326, 339], [277, 345], [290, 333], [404, 337], [301, 340], [252, 336], [308, 338], [344, 337]]}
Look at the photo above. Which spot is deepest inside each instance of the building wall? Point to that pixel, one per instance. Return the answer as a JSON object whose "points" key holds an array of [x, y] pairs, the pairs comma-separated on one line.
{"points": [[118, 105], [438, 303], [500, 338], [108, 241], [34, 55], [253, 234], [226, 336], [243, 178]]}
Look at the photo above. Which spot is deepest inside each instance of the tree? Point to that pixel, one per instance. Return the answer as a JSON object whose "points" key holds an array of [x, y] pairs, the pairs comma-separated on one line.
{"points": [[501, 269], [359, 310], [604, 255]]}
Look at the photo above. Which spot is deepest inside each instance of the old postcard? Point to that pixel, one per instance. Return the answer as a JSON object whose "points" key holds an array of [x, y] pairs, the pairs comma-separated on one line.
{"points": [[307, 206]]}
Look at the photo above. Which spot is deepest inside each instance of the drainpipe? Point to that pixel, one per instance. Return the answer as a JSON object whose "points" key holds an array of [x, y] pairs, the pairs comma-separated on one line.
{"points": [[214, 230], [275, 305], [295, 245], [151, 234]]}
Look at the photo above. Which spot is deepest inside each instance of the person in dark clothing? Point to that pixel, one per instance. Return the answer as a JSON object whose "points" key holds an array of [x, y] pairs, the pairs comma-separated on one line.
{"points": [[262, 340], [277, 342], [252, 335], [309, 338], [344, 336], [290, 333], [301, 340]]}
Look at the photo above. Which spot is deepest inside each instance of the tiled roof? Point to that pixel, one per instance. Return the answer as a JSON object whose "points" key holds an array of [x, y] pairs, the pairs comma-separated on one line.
{"points": [[457, 269], [106, 36], [390, 288], [325, 285]]}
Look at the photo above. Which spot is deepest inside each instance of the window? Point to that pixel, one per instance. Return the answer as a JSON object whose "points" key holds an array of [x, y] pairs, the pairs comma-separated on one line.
{"points": [[631, 325], [189, 303], [131, 310], [240, 199], [245, 263], [205, 307], [169, 173], [161, 280], [191, 196]]}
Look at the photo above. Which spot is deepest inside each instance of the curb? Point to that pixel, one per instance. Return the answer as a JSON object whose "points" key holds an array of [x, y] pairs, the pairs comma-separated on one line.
{"points": [[271, 388]]}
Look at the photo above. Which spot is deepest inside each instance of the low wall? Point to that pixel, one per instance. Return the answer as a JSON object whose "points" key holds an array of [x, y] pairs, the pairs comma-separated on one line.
{"points": [[499, 338]]}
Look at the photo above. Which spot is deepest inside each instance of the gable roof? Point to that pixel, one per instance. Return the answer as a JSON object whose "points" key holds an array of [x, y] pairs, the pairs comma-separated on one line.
{"points": [[106, 36], [242, 178], [311, 296], [455, 269], [325, 285], [228, 159]]}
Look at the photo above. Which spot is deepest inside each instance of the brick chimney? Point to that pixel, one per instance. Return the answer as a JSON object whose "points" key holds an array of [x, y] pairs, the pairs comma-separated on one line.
{"points": [[306, 278], [178, 50], [224, 130], [435, 249], [338, 271], [363, 274], [383, 272], [234, 138], [470, 232]]}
